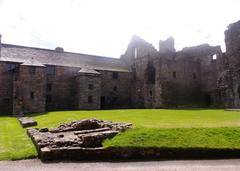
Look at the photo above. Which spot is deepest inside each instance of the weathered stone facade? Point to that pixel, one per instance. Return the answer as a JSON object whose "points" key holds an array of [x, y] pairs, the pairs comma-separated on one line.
{"points": [[38, 80]]}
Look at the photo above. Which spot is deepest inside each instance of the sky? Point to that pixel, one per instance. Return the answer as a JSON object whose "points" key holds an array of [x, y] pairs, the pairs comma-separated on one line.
{"points": [[105, 27]]}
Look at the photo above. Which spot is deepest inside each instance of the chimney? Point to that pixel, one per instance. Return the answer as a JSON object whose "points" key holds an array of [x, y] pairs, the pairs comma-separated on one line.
{"points": [[59, 49]]}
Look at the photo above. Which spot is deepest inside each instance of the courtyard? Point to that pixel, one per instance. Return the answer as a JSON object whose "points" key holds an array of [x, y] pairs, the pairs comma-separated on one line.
{"points": [[163, 128]]}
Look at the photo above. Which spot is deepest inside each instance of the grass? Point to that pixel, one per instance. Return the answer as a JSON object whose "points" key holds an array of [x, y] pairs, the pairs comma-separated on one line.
{"points": [[153, 128], [14, 142], [216, 138], [150, 118]]}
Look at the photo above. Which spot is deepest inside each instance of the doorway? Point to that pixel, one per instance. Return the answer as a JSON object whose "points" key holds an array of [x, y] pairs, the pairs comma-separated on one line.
{"points": [[208, 99], [103, 105]]}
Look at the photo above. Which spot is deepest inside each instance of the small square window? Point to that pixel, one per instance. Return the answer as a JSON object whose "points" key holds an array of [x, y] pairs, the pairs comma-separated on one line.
{"points": [[90, 86], [12, 67], [90, 99], [51, 70], [115, 75]]}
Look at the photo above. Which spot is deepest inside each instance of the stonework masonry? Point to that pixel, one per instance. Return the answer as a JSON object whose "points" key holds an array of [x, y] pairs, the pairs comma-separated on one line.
{"points": [[39, 80]]}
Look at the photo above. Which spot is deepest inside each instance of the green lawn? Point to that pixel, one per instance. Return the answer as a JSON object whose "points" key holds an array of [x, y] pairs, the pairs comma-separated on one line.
{"points": [[14, 142], [153, 127]]}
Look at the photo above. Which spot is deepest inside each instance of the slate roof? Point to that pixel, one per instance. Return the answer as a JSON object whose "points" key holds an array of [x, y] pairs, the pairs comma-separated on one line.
{"points": [[33, 62], [88, 70], [23, 54]]}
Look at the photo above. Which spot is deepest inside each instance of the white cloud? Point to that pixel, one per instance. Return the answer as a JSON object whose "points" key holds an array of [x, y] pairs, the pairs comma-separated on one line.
{"points": [[104, 27]]}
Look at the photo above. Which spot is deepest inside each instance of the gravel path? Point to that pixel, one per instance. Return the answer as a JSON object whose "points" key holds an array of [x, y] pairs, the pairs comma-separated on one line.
{"points": [[178, 165]]}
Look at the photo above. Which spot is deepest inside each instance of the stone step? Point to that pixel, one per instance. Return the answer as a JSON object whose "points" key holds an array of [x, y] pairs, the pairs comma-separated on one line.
{"points": [[26, 121]]}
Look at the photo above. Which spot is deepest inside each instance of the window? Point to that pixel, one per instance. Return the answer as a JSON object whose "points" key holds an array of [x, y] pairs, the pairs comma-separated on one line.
{"points": [[214, 57], [11, 67], [115, 88], [50, 70], [150, 73], [135, 52], [49, 87], [115, 75], [90, 86], [49, 98], [32, 70], [134, 73], [32, 95], [194, 76], [151, 93], [90, 99], [174, 74]]}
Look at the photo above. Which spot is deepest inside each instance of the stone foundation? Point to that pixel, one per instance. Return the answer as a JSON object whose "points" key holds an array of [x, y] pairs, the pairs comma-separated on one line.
{"points": [[78, 137]]}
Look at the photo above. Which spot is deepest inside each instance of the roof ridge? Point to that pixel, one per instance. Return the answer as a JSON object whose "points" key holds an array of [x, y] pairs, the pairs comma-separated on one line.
{"points": [[53, 50]]}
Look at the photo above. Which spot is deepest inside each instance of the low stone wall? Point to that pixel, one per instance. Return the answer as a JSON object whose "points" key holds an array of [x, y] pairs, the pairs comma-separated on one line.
{"points": [[135, 153]]}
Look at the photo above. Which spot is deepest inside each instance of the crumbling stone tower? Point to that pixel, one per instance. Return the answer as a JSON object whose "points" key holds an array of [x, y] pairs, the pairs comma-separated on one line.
{"points": [[228, 83]]}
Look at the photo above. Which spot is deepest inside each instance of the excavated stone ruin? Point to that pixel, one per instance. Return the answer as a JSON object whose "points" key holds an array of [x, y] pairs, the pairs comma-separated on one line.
{"points": [[78, 135]]}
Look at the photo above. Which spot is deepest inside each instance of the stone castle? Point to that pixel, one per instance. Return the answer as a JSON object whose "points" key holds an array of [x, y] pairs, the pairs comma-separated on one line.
{"points": [[39, 80]]}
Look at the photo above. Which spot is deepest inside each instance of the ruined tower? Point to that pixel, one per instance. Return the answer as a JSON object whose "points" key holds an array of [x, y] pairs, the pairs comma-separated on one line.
{"points": [[167, 46]]}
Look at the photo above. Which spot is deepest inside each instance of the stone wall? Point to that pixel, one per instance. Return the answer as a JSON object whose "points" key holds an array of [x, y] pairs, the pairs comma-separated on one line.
{"points": [[195, 76], [172, 77], [29, 90], [6, 89], [167, 46], [88, 91], [182, 79], [137, 48], [228, 87], [115, 92], [61, 88]]}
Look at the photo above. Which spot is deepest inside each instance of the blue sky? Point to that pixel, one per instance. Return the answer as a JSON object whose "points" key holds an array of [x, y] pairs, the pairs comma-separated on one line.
{"points": [[104, 27]]}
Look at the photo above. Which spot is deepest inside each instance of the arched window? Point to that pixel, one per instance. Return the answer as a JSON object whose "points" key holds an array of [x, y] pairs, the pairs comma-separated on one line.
{"points": [[150, 73]]}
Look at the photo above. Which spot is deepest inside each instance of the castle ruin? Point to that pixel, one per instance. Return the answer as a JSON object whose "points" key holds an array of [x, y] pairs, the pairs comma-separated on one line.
{"points": [[39, 80]]}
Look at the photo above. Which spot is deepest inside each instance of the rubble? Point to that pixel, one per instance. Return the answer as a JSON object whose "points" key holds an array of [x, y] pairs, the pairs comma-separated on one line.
{"points": [[81, 134]]}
